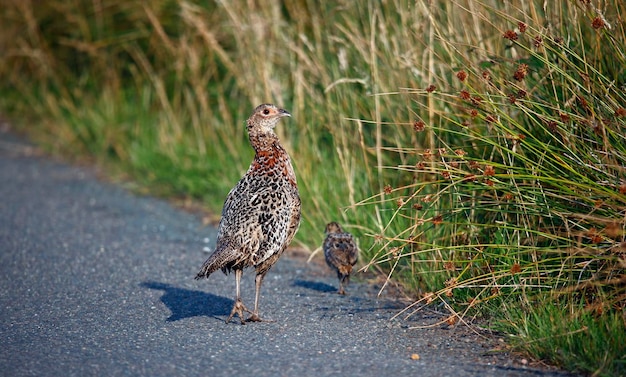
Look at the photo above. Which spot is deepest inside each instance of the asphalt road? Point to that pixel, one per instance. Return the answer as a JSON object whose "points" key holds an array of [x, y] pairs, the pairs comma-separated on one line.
{"points": [[98, 281]]}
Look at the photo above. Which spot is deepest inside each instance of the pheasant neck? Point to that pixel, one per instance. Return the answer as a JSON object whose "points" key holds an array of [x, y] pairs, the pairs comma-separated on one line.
{"points": [[271, 158], [264, 141]]}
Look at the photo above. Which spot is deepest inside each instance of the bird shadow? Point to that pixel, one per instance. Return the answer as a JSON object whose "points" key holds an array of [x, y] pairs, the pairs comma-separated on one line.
{"points": [[185, 303], [360, 304], [315, 285]]}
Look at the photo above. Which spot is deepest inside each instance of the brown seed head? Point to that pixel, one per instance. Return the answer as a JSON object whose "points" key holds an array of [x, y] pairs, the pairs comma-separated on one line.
{"points": [[489, 171], [510, 35], [594, 236], [452, 319], [512, 98], [521, 72], [451, 282], [597, 23], [419, 126], [613, 230], [429, 297], [552, 126], [516, 269]]}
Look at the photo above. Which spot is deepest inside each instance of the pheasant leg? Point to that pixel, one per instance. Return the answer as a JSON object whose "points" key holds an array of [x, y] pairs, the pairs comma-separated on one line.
{"points": [[342, 279], [255, 314], [239, 307], [341, 291]]}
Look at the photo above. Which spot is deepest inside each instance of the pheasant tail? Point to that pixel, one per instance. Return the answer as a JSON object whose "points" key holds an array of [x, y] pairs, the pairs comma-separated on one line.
{"points": [[220, 259]]}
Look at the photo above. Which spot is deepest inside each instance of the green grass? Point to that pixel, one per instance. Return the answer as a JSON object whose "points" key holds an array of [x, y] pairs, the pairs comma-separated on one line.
{"points": [[481, 166], [577, 337]]}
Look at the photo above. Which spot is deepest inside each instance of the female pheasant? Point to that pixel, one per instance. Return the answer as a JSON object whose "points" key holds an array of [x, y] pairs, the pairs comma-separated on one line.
{"points": [[261, 213], [340, 252]]}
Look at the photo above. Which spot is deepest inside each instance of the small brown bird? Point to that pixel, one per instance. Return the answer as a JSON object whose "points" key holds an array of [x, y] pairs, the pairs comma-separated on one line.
{"points": [[261, 213], [341, 253]]}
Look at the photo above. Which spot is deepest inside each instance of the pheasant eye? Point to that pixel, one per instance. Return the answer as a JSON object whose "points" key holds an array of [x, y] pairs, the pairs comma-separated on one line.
{"points": [[266, 112]]}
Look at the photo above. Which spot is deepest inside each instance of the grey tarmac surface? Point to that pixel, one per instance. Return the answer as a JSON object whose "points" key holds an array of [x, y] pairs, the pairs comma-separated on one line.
{"points": [[99, 281]]}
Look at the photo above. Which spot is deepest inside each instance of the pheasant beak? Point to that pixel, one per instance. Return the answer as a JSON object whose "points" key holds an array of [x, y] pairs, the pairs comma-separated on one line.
{"points": [[283, 113]]}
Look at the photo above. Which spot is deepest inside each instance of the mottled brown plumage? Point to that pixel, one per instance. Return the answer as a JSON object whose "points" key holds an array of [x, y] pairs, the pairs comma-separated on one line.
{"points": [[261, 213], [340, 252]]}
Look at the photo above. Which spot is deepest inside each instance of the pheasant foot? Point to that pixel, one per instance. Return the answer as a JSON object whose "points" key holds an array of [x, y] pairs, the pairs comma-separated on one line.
{"points": [[238, 309], [255, 318]]}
